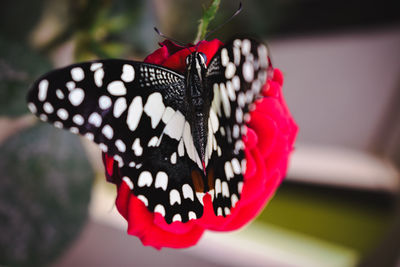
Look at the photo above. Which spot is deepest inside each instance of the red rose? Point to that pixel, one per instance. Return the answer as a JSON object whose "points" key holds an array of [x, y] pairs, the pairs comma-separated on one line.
{"points": [[268, 143]]}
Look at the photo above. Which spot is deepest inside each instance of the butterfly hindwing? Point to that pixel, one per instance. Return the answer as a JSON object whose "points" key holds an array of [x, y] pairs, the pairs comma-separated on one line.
{"points": [[236, 75]]}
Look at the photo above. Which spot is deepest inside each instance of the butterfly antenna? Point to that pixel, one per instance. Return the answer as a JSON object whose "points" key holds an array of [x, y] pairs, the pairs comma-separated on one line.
{"points": [[223, 24], [168, 38]]}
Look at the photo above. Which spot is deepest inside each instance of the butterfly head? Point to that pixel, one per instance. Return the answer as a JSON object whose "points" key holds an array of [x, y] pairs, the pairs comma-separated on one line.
{"points": [[197, 60]]}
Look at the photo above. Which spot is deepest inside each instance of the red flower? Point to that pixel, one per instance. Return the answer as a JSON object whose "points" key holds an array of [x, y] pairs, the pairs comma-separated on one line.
{"points": [[268, 143]]}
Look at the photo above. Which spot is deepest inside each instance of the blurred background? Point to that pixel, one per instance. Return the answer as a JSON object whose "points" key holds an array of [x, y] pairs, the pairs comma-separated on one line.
{"points": [[339, 205]]}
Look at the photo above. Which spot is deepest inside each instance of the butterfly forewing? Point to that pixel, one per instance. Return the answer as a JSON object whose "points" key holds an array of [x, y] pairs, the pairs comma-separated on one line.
{"points": [[135, 112], [106, 101], [236, 75]]}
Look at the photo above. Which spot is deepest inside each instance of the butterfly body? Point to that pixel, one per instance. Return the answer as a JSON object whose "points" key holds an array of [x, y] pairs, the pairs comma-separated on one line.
{"points": [[174, 136], [198, 99]]}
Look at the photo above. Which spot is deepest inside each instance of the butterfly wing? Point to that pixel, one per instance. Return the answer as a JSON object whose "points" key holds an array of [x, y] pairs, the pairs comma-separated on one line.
{"points": [[236, 75], [135, 112]]}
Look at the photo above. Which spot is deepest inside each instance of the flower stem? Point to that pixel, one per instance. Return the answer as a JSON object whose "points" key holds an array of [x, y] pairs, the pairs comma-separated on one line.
{"points": [[208, 16]]}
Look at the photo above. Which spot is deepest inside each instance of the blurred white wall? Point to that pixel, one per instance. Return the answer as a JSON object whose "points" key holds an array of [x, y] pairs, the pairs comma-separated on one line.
{"points": [[338, 87]]}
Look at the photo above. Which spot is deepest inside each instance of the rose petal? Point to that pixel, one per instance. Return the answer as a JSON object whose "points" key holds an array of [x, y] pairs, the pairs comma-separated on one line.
{"points": [[249, 210], [175, 227], [265, 127], [268, 142]]}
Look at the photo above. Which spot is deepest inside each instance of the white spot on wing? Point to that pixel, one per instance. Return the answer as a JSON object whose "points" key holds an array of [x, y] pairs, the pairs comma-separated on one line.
{"points": [[219, 211], [236, 166], [224, 57], [161, 180], [248, 71], [58, 124], [128, 73], [116, 88], [225, 189], [43, 86], [200, 197], [243, 164], [137, 148], [103, 147], [237, 43], [240, 187], [48, 108], [225, 101], [143, 199], [78, 119], [95, 119], [227, 211], [120, 145], [175, 126], [96, 66], [234, 200], [236, 55], [188, 141], [246, 46], [32, 107], [168, 113], [263, 54], [230, 70], [174, 197], [231, 91], [104, 102], [128, 182], [70, 85], [228, 170], [216, 100], [43, 117], [160, 209], [153, 141], [187, 192], [181, 150], [241, 100], [145, 179], [134, 113], [239, 115], [154, 108], [62, 113], [236, 83], [192, 215], [173, 158], [214, 121], [177, 218], [89, 136], [98, 77], [132, 164], [119, 107], [76, 96], [235, 131], [108, 131], [77, 74], [59, 94]]}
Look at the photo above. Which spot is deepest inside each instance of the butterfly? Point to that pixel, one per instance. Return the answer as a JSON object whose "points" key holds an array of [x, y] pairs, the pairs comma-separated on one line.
{"points": [[175, 136]]}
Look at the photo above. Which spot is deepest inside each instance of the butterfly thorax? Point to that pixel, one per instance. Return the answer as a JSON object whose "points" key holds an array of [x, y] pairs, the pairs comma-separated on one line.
{"points": [[198, 102]]}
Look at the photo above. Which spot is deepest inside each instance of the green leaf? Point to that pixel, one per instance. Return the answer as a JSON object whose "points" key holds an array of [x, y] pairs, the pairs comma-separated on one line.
{"points": [[19, 67], [45, 186], [208, 16]]}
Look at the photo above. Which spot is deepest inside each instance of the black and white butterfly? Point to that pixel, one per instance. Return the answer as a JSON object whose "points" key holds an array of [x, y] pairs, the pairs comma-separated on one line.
{"points": [[175, 136]]}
